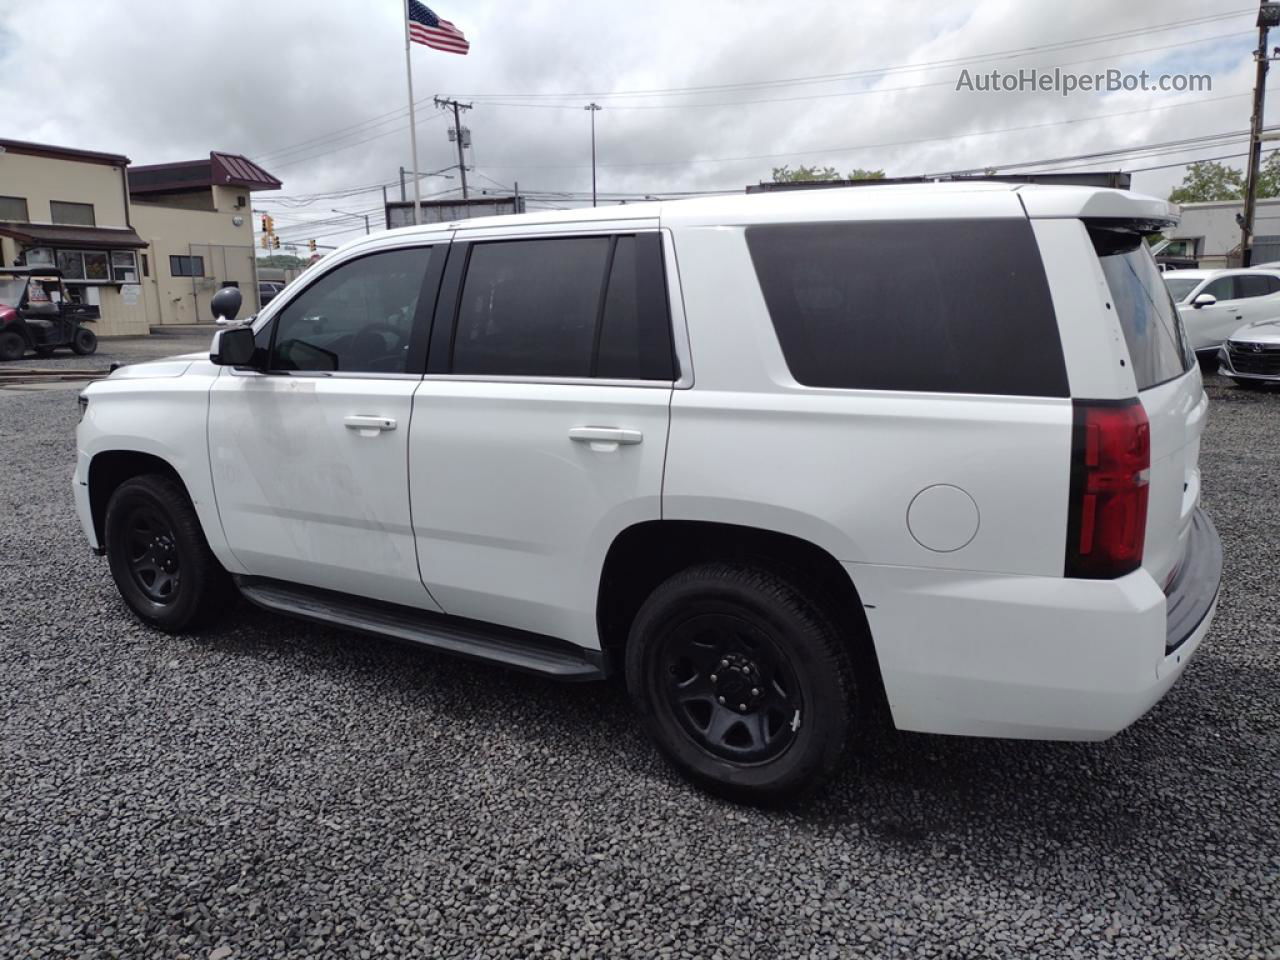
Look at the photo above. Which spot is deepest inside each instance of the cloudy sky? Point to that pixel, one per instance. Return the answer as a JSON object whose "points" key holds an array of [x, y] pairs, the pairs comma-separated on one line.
{"points": [[696, 96]]}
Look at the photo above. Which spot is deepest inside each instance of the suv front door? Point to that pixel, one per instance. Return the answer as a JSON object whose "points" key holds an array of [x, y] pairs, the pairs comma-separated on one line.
{"points": [[309, 453], [540, 430]]}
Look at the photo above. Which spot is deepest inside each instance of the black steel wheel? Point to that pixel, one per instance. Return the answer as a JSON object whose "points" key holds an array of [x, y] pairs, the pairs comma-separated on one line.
{"points": [[732, 687], [159, 557], [743, 681], [84, 341], [152, 552], [12, 346]]}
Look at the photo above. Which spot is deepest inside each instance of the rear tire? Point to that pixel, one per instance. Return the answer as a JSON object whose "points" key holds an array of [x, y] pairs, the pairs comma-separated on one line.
{"points": [[12, 346], [84, 342], [742, 681], [159, 557]]}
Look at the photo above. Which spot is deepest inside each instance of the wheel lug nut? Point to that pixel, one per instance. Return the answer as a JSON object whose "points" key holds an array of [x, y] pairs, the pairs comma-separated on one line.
{"points": [[742, 706], [755, 691], [720, 699], [713, 678]]}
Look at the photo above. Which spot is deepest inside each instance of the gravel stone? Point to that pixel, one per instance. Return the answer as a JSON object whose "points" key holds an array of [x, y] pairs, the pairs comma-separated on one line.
{"points": [[275, 789]]}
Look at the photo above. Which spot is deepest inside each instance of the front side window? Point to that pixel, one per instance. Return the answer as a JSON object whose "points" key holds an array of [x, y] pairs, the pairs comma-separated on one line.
{"points": [[574, 307], [1179, 287], [1152, 329], [78, 214], [942, 306], [1224, 288], [357, 318]]}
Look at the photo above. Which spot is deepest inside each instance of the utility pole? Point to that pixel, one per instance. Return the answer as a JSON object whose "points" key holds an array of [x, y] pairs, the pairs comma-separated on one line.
{"points": [[1268, 16], [403, 198], [457, 132], [592, 108], [357, 216]]}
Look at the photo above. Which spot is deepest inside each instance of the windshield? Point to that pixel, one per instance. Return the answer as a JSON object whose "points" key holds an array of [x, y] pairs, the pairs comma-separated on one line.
{"points": [[11, 290], [1152, 328], [1179, 287]]}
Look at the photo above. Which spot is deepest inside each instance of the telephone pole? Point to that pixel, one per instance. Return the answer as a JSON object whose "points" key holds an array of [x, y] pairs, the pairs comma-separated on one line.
{"points": [[457, 132], [1268, 16], [593, 107]]}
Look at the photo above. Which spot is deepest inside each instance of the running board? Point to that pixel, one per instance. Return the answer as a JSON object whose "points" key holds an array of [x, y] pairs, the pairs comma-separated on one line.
{"points": [[530, 652]]}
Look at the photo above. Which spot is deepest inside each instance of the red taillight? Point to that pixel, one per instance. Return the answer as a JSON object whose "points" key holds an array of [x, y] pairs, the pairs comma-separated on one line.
{"points": [[1110, 472]]}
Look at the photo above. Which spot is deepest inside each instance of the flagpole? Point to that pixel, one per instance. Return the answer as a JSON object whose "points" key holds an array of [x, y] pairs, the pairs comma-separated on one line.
{"points": [[413, 132]]}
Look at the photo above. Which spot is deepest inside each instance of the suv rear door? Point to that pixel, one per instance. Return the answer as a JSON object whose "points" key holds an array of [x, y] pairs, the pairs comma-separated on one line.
{"points": [[540, 430], [1169, 388]]}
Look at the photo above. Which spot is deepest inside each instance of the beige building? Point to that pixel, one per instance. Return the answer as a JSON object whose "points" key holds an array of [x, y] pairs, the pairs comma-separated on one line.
{"points": [[149, 245]]}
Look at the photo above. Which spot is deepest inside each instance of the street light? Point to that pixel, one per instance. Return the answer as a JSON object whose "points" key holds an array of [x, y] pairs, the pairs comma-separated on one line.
{"points": [[592, 108], [358, 216]]}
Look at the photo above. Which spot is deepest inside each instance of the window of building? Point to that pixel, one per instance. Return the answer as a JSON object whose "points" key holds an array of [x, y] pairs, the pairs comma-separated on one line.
{"points": [[124, 266], [186, 266], [38, 257], [79, 214], [14, 209], [944, 306], [146, 266], [88, 265], [357, 318], [565, 307]]}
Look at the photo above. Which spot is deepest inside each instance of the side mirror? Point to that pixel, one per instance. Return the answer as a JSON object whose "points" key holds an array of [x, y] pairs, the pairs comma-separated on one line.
{"points": [[225, 304], [232, 347], [1204, 300]]}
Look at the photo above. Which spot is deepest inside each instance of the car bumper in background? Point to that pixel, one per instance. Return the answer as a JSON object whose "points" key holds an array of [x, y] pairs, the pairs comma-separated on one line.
{"points": [[1045, 658], [1263, 367]]}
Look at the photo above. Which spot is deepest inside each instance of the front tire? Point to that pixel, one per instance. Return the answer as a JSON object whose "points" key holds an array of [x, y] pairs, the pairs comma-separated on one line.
{"points": [[159, 557], [12, 346], [84, 342], [743, 682]]}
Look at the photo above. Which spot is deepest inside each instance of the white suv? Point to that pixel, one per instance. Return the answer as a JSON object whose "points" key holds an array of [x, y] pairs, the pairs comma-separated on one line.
{"points": [[776, 459]]}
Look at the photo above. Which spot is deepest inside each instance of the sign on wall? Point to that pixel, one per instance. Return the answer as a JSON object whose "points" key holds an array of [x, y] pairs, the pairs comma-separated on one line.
{"points": [[130, 293]]}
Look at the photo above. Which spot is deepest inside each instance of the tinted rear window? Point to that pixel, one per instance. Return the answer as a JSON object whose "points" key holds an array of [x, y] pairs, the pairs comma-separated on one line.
{"points": [[951, 306], [1152, 329]]}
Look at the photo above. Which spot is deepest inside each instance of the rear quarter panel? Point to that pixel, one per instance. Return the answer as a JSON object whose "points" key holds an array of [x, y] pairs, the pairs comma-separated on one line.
{"points": [[840, 468]]}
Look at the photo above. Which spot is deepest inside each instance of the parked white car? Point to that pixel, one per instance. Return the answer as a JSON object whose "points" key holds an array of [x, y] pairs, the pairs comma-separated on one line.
{"points": [[775, 458], [1215, 302], [1251, 355]]}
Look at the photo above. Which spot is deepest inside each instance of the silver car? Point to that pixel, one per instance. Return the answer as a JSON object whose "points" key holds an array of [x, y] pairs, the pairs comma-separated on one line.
{"points": [[1251, 355]]}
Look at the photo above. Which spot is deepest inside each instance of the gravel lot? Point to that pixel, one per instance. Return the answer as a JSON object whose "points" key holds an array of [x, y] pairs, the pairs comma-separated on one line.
{"points": [[273, 789]]}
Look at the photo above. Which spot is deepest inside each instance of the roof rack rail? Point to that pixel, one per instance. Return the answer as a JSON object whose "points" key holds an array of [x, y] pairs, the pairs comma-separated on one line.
{"points": [[1115, 179]]}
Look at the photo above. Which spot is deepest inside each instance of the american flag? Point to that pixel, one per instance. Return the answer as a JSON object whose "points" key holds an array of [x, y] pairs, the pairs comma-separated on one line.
{"points": [[426, 27]]}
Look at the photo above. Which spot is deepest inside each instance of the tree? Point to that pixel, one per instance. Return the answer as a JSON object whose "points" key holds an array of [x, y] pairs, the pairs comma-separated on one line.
{"points": [[282, 260], [802, 174], [1210, 180], [1269, 176]]}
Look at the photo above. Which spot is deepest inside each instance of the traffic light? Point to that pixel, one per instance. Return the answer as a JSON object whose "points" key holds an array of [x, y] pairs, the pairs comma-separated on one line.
{"points": [[275, 242], [266, 242], [268, 225], [311, 245]]}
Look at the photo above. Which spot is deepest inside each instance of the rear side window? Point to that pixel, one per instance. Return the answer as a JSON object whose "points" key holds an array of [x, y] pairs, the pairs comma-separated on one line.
{"points": [[946, 306], [565, 307], [1152, 329], [1254, 285]]}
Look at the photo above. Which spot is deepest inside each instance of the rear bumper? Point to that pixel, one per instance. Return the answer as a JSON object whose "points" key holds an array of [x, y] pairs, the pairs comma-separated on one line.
{"points": [[1044, 658]]}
